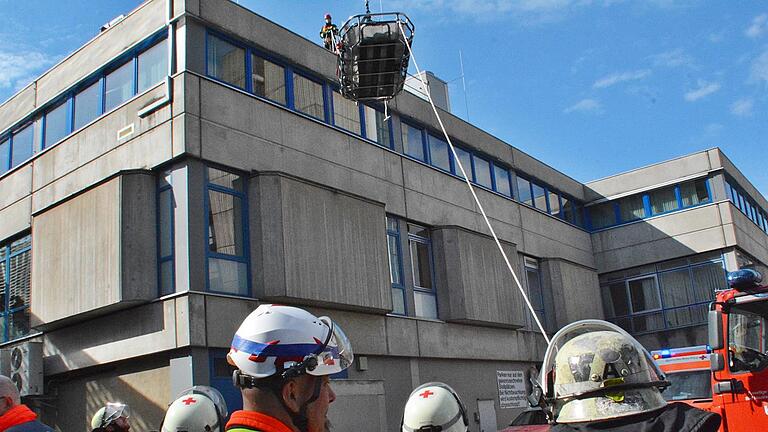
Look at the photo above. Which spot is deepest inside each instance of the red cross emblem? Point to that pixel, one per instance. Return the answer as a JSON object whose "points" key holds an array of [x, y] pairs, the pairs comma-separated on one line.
{"points": [[188, 401], [426, 394], [702, 357]]}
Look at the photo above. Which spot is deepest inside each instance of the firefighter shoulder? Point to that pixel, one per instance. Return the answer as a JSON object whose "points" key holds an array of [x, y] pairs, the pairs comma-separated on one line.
{"points": [[434, 407], [197, 409], [600, 378], [283, 357]]}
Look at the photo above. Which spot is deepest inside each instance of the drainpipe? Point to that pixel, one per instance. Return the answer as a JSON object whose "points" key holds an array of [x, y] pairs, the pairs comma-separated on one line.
{"points": [[170, 23]]}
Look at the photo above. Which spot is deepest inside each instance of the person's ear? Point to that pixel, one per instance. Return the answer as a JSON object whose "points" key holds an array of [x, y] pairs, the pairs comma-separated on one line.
{"points": [[290, 395]]}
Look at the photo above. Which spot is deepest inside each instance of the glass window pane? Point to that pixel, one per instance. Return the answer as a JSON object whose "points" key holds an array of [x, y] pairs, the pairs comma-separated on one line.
{"points": [[554, 203], [631, 208], [268, 79], [227, 276], [226, 61], [18, 324], [392, 224], [165, 212], [118, 86], [694, 192], [501, 176], [346, 114], [685, 316], [308, 97], [5, 155], [616, 301], [418, 230], [524, 189], [153, 65], [648, 322], [643, 294], [225, 224], [394, 260], [567, 211], [707, 279], [439, 153], [602, 215], [482, 171], [376, 129], [398, 301], [23, 145], [689, 385], [728, 191], [166, 277], [534, 288], [676, 288], [466, 162], [56, 126], [18, 292], [424, 305], [421, 264], [87, 105], [663, 200], [225, 179], [412, 142], [539, 197]]}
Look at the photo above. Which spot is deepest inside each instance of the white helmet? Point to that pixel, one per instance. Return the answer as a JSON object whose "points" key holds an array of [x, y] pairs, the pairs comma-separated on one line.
{"points": [[600, 373], [109, 413], [287, 341], [434, 407], [197, 409]]}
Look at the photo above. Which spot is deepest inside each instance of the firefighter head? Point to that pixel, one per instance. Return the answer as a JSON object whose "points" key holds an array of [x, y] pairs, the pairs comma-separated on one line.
{"points": [[434, 407], [328, 19]]}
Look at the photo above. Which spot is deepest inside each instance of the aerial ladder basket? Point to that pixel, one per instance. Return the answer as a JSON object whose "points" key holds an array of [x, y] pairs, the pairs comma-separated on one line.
{"points": [[373, 55]]}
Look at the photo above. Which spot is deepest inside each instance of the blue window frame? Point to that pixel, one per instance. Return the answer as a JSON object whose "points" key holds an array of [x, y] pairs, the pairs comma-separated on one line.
{"points": [[399, 303], [165, 238], [422, 267], [152, 66], [119, 85], [413, 141], [539, 195], [58, 122], [439, 154], [501, 182], [553, 199], [88, 104], [744, 203], [376, 127], [309, 97], [346, 113], [5, 155], [221, 379], [536, 294], [466, 162], [482, 168], [268, 79], [15, 271], [225, 61], [524, 191], [226, 223]]}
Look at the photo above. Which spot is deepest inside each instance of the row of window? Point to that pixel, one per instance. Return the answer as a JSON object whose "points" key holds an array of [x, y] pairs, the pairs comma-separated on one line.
{"points": [[650, 203], [233, 63], [670, 295], [15, 273], [111, 86], [746, 204]]}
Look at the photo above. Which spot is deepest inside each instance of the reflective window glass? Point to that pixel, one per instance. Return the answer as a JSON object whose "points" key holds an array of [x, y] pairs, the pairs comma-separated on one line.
{"points": [[602, 215], [466, 162], [554, 203], [87, 105], [439, 153], [23, 145], [153, 65], [227, 276], [225, 224], [539, 197], [421, 265], [524, 189], [226, 61], [118, 87], [501, 176], [482, 171], [412, 141], [376, 128], [694, 192], [631, 208], [346, 114], [308, 97], [268, 79], [5, 155], [663, 200], [425, 305], [56, 125], [644, 294], [225, 179]]}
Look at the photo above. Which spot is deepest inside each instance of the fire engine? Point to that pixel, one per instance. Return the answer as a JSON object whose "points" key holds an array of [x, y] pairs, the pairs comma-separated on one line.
{"points": [[688, 371], [738, 336]]}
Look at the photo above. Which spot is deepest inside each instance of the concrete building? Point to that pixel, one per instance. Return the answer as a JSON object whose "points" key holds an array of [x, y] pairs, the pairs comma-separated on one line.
{"points": [[194, 160]]}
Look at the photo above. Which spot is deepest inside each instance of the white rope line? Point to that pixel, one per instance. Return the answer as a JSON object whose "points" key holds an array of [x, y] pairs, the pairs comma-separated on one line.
{"points": [[472, 190]]}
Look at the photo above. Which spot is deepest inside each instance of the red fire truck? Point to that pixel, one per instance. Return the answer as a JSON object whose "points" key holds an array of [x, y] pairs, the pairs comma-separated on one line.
{"points": [[688, 371], [738, 336]]}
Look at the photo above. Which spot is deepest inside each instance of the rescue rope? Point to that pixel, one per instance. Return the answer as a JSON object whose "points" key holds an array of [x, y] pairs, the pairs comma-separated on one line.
{"points": [[472, 190]]}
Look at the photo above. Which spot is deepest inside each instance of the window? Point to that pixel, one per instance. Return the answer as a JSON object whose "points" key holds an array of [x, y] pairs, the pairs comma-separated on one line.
{"points": [[376, 128], [308, 97], [554, 203], [420, 246], [226, 220], [482, 171], [663, 200], [602, 215], [267, 79], [413, 144], [535, 293], [226, 61], [165, 223], [118, 87], [346, 113], [395, 266], [524, 191], [87, 104], [694, 192], [501, 177], [688, 385], [15, 259], [153, 65], [671, 294], [22, 145], [539, 197], [736, 195], [748, 337], [466, 162], [439, 153], [56, 124], [5, 155], [631, 208]]}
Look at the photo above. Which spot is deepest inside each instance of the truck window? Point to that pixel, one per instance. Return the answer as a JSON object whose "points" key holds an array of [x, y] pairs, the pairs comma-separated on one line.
{"points": [[748, 337], [688, 385]]}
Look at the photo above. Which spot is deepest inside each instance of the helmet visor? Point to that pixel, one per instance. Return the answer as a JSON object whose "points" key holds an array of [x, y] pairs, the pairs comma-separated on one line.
{"points": [[212, 394], [336, 354], [114, 411]]}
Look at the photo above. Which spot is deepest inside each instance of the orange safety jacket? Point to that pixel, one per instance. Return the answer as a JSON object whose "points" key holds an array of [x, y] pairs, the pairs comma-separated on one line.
{"points": [[252, 421]]}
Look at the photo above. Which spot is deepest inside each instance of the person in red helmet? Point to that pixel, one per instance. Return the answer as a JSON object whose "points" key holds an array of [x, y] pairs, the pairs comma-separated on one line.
{"points": [[329, 32]]}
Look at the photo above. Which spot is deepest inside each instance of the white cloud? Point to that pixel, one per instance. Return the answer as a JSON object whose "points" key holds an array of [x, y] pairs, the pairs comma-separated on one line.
{"points": [[672, 59], [759, 70], [742, 107], [616, 78], [588, 106], [17, 68], [758, 26], [705, 89]]}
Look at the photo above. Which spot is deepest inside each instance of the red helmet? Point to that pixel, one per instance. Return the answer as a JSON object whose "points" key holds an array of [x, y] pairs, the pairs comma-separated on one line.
{"points": [[327, 16]]}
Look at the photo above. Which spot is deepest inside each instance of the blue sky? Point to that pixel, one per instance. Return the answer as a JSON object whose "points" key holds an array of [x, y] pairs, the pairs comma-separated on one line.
{"points": [[591, 87]]}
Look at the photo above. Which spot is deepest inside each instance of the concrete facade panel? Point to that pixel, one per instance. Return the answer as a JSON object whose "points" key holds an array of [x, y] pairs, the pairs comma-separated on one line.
{"points": [[139, 24], [400, 340], [749, 237], [357, 396], [575, 291], [17, 107], [15, 186], [16, 218], [138, 236], [223, 317], [742, 181], [368, 333]]}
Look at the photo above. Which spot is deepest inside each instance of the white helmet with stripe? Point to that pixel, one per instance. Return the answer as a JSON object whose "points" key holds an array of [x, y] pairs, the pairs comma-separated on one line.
{"points": [[434, 407]]}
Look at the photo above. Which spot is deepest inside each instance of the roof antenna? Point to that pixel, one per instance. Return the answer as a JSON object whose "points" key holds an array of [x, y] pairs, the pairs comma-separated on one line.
{"points": [[367, 9], [464, 84]]}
